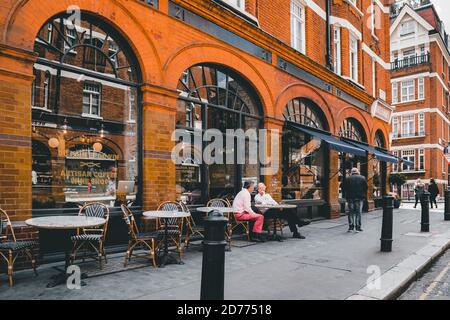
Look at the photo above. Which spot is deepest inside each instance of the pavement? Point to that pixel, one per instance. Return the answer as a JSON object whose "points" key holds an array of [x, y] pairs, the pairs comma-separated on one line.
{"points": [[330, 263]]}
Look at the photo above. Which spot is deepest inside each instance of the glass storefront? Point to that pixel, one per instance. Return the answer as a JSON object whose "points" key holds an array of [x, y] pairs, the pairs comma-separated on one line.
{"points": [[85, 126], [303, 155], [212, 97]]}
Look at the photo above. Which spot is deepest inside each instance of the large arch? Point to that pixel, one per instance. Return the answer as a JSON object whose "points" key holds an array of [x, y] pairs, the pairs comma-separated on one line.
{"points": [[300, 90], [353, 112], [33, 15], [214, 54]]}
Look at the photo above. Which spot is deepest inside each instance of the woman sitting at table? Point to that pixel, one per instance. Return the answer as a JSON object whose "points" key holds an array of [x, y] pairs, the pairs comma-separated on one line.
{"points": [[242, 207], [289, 215]]}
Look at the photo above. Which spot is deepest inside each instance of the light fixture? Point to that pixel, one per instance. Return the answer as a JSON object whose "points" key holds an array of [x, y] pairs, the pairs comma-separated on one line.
{"points": [[102, 131], [65, 126]]}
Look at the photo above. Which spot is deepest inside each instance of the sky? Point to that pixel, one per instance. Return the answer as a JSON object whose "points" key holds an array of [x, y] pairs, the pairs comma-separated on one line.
{"points": [[443, 10]]}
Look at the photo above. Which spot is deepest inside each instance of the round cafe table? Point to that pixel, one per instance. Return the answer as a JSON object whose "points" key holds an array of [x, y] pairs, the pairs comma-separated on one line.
{"points": [[279, 207], [64, 223], [166, 258], [223, 210]]}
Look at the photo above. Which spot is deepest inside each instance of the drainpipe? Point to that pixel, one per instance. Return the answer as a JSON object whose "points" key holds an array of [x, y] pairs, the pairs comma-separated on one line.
{"points": [[328, 62]]}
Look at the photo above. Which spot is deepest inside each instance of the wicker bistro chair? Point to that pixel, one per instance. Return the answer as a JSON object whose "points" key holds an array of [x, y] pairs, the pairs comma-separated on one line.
{"points": [[145, 240], [174, 225], [192, 228], [11, 249], [92, 239]]}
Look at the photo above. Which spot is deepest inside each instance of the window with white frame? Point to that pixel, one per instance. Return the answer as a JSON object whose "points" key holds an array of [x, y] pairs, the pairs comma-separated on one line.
{"points": [[132, 108], [421, 124], [112, 53], [297, 26], [71, 37], [408, 128], [337, 50], [407, 28], [46, 89], [421, 159], [408, 91], [409, 155], [421, 89], [91, 99], [50, 33], [395, 127], [395, 165], [353, 58], [394, 92]]}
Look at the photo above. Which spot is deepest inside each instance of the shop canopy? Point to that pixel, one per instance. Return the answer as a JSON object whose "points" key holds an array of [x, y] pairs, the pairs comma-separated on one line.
{"points": [[379, 154], [333, 142]]}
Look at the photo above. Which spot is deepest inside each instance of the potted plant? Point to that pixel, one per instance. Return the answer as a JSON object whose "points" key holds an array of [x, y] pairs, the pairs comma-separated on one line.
{"points": [[397, 179]]}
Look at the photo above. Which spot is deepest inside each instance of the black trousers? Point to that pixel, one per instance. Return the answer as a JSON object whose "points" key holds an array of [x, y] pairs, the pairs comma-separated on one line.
{"points": [[287, 214], [433, 200]]}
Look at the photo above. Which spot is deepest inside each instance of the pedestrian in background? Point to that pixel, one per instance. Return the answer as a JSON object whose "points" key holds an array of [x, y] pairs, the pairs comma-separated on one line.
{"points": [[355, 193], [434, 191], [419, 188]]}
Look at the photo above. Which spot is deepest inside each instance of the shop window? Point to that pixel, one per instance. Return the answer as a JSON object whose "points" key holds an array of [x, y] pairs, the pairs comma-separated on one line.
{"points": [[352, 129], [303, 155], [212, 97], [89, 158]]}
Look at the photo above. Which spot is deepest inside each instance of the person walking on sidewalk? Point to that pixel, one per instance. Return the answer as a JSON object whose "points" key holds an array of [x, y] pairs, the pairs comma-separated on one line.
{"points": [[434, 191], [355, 193], [242, 207], [419, 189]]}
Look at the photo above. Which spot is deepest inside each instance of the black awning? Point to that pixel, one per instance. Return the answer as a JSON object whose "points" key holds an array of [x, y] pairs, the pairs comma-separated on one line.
{"points": [[379, 154], [333, 142]]}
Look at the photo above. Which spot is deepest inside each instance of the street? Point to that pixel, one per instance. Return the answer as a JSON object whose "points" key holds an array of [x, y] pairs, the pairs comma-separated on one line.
{"points": [[434, 284]]}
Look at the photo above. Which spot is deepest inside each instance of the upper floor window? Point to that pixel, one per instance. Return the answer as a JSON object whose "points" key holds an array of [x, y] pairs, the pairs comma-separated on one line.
{"points": [[337, 50], [91, 99], [71, 37], [395, 92], [49, 33], [395, 127], [408, 91], [407, 28], [408, 127], [409, 155], [353, 58], [421, 123], [421, 88], [298, 26]]}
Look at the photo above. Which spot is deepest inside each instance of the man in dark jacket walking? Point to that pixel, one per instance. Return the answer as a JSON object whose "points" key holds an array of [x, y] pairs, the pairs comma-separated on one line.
{"points": [[355, 193]]}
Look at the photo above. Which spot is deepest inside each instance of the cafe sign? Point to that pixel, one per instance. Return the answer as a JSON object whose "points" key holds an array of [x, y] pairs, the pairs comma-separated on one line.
{"points": [[382, 110]]}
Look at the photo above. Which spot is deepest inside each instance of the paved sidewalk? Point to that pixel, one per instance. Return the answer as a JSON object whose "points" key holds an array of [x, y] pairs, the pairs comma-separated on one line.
{"points": [[329, 264]]}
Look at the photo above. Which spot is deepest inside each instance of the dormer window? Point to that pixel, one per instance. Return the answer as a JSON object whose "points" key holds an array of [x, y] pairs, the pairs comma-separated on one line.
{"points": [[407, 28]]}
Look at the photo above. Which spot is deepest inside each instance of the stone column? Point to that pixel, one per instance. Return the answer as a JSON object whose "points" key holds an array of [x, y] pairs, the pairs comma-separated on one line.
{"points": [[159, 112]]}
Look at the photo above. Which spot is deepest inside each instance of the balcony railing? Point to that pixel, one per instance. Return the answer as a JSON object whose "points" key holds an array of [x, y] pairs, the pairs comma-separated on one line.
{"points": [[410, 61], [408, 135]]}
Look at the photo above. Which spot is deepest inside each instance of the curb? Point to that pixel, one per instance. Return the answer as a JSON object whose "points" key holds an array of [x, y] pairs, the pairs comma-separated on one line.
{"points": [[395, 280]]}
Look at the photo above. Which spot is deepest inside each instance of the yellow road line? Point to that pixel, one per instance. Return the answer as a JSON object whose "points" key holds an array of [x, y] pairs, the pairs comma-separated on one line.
{"points": [[435, 282]]}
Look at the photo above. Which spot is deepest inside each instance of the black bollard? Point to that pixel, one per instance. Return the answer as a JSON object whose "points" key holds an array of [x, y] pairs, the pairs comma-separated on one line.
{"points": [[387, 224], [213, 265], [447, 205], [425, 220]]}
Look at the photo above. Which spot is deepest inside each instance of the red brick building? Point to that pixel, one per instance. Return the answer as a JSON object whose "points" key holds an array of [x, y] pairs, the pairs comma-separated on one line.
{"points": [[91, 100], [420, 71]]}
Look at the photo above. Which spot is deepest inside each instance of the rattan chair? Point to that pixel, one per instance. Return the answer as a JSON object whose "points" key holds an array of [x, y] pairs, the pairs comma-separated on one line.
{"points": [[145, 240], [92, 239], [10, 248], [174, 225], [192, 228]]}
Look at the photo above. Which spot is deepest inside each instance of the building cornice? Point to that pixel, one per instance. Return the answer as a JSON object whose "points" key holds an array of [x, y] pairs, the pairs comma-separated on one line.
{"points": [[211, 11]]}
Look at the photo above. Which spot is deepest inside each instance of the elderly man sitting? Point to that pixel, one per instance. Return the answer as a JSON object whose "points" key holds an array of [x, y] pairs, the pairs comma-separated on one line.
{"points": [[289, 215]]}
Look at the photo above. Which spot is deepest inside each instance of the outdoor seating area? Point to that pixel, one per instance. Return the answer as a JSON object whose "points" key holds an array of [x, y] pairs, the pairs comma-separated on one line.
{"points": [[174, 232]]}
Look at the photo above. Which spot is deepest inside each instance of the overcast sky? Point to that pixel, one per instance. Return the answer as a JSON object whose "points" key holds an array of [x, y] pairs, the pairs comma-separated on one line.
{"points": [[443, 10]]}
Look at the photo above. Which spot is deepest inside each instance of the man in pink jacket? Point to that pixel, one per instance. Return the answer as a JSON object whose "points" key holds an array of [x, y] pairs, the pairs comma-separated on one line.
{"points": [[243, 210]]}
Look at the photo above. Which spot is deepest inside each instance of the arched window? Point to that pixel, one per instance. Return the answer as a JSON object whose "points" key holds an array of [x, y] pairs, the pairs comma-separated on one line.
{"points": [[379, 140], [303, 155], [86, 91], [305, 112], [353, 130], [214, 97]]}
